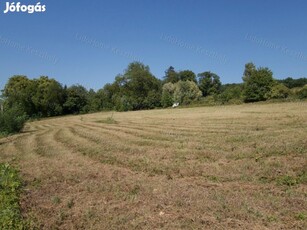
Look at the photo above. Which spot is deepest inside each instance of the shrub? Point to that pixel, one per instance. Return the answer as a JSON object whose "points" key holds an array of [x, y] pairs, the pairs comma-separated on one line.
{"points": [[302, 93], [278, 91], [12, 120], [231, 94], [10, 186]]}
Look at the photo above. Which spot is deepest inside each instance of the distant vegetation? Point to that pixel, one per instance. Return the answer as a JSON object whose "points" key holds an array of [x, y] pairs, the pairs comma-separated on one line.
{"points": [[136, 89]]}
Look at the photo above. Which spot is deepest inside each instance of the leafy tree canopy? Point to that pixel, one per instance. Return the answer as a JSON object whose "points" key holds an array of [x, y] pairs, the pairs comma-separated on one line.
{"points": [[258, 85], [209, 83]]}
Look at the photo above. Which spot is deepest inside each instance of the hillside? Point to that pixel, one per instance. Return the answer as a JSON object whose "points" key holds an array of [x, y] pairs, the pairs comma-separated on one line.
{"points": [[228, 167]]}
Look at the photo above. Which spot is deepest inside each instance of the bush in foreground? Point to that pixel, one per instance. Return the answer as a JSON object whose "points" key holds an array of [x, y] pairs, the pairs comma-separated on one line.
{"points": [[10, 187]]}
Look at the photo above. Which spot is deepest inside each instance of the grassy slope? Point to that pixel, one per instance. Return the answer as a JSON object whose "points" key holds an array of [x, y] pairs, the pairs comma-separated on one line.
{"points": [[214, 167]]}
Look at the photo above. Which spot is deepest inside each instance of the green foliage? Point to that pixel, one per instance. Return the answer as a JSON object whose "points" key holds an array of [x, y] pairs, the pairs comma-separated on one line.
{"points": [[12, 120], [136, 89], [48, 97], [107, 96], [187, 75], [93, 102], [293, 83], [171, 75], [287, 180], [301, 216], [76, 100], [231, 93], [167, 94], [186, 92], [183, 92], [108, 120], [302, 93], [38, 97], [249, 69], [278, 91], [258, 86], [10, 188], [123, 103], [209, 83], [20, 90]]}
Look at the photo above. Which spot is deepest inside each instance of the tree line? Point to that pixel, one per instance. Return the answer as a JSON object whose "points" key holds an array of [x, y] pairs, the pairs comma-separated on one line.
{"points": [[136, 89]]}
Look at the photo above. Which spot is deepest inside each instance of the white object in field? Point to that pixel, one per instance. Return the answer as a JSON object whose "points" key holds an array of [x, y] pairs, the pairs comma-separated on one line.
{"points": [[175, 105]]}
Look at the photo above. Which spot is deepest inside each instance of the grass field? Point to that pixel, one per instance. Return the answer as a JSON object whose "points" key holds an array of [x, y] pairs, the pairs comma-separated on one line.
{"points": [[232, 167]]}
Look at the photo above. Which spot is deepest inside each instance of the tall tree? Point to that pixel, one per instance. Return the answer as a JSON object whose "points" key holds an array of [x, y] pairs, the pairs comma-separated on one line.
{"points": [[186, 92], [138, 88], [49, 96], [77, 99], [187, 75], [19, 90], [258, 85], [209, 83], [248, 71], [171, 75], [167, 98]]}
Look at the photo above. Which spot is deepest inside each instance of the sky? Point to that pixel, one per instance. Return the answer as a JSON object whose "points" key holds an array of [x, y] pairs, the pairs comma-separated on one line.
{"points": [[90, 42]]}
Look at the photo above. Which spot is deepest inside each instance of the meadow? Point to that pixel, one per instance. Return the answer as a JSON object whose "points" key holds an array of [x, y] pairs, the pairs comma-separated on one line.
{"points": [[223, 167]]}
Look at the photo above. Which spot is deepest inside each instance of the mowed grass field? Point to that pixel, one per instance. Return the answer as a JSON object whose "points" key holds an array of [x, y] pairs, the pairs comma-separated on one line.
{"points": [[230, 167]]}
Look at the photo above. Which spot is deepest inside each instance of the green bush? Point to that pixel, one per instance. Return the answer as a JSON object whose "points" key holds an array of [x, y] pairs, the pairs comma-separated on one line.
{"points": [[278, 91], [12, 120], [302, 93], [10, 187]]}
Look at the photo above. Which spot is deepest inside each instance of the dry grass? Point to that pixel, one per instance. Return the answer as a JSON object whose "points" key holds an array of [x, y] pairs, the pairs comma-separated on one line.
{"points": [[232, 167]]}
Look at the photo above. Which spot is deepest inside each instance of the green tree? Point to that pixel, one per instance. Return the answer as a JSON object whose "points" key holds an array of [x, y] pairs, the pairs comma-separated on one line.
{"points": [[137, 88], [231, 93], [167, 98], [171, 75], [186, 92], [12, 120], [187, 75], [293, 83], [258, 86], [248, 71], [77, 99], [93, 102], [19, 90], [209, 83], [108, 95], [49, 96]]}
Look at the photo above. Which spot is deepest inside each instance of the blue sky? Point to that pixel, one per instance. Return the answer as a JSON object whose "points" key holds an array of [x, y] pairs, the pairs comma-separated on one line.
{"points": [[90, 42]]}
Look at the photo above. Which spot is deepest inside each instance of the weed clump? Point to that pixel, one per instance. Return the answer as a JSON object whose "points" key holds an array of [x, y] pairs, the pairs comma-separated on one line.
{"points": [[10, 189]]}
